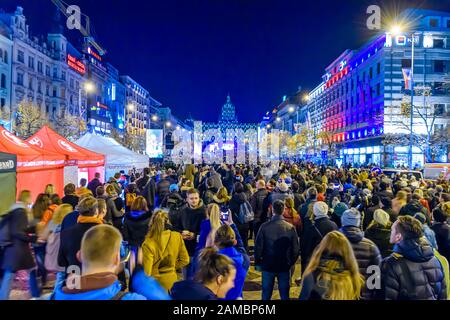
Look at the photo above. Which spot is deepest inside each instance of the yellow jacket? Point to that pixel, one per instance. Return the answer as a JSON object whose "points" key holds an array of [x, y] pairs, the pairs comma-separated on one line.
{"points": [[162, 260]]}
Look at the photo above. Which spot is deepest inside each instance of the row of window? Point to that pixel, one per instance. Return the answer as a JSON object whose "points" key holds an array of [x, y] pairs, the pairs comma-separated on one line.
{"points": [[3, 55]]}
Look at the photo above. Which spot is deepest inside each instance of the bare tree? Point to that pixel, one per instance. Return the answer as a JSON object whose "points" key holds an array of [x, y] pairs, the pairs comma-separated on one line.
{"points": [[29, 119], [327, 139], [426, 117], [70, 126]]}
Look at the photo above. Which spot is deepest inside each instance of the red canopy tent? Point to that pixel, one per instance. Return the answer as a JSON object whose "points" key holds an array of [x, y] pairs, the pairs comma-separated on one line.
{"points": [[35, 168], [48, 140]]}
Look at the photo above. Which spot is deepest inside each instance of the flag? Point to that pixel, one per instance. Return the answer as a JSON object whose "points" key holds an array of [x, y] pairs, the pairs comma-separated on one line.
{"points": [[407, 78]]}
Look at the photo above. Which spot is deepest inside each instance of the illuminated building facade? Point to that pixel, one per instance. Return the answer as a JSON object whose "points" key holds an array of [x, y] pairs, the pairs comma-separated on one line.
{"points": [[359, 101]]}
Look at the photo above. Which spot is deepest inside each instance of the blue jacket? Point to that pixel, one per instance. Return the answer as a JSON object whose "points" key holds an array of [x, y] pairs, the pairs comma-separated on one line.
{"points": [[241, 272], [143, 287], [205, 229], [191, 290]]}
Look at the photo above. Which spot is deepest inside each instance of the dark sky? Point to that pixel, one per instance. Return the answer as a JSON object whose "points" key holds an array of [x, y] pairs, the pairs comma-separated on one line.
{"points": [[190, 53]]}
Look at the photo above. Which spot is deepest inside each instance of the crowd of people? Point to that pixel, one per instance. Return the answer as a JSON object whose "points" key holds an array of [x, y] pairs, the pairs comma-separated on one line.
{"points": [[192, 232]]}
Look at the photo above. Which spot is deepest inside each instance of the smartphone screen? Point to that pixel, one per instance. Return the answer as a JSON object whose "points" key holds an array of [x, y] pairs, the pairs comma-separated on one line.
{"points": [[224, 214]]}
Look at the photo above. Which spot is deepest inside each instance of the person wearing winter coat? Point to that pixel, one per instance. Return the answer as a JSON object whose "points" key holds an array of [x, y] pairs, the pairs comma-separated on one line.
{"points": [[239, 197], [379, 231], [17, 255], [337, 211], [69, 195], [162, 189], [163, 251], [94, 183], [315, 227], [258, 201], [414, 206], [332, 273], [100, 257], [412, 271], [225, 240], [290, 215], [214, 278], [136, 222], [366, 252], [441, 230], [428, 233], [191, 217], [276, 251]]}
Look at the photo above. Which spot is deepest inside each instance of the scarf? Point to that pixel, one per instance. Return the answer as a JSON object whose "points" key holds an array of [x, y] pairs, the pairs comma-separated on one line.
{"points": [[85, 219]]}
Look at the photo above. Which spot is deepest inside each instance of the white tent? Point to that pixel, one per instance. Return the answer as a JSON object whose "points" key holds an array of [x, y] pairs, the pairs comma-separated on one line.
{"points": [[117, 157]]}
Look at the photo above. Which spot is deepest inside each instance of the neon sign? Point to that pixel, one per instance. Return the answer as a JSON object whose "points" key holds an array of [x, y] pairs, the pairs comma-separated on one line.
{"points": [[94, 54], [75, 64]]}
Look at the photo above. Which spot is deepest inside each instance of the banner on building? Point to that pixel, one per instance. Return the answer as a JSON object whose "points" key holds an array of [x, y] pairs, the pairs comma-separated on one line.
{"points": [[154, 143], [407, 77]]}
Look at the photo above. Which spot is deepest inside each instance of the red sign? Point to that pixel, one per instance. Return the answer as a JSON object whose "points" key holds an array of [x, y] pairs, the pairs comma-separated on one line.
{"points": [[76, 64], [94, 54], [102, 106]]}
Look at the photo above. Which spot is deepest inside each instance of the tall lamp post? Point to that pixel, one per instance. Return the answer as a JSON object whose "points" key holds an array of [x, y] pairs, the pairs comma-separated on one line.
{"points": [[395, 31]]}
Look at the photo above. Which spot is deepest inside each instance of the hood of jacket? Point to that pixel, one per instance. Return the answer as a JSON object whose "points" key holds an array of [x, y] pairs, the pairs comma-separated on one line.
{"points": [[138, 215], [234, 255], [353, 234], [18, 205], [416, 250]]}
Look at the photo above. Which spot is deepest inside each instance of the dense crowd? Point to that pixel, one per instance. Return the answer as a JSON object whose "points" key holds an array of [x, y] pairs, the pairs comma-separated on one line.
{"points": [[353, 233]]}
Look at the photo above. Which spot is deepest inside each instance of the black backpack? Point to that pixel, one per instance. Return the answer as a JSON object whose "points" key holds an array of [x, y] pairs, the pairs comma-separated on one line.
{"points": [[5, 230]]}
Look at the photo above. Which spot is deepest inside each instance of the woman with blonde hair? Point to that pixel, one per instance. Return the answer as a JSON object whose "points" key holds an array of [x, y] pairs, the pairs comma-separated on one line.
{"points": [[399, 201], [163, 251], [291, 215], [209, 226], [332, 272]]}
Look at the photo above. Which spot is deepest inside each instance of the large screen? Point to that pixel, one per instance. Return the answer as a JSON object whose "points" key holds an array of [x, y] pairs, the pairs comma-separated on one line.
{"points": [[154, 145]]}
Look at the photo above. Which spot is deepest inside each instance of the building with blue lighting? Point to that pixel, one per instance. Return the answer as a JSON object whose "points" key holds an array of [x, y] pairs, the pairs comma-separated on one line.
{"points": [[362, 97]]}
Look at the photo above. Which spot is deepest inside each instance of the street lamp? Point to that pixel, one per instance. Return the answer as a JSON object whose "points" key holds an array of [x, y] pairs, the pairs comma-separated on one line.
{"points": [[154, 118], [395, 31], [291, 109], [168, 124]]}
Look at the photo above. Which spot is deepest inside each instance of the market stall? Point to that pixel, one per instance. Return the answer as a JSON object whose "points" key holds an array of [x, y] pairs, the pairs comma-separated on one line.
{"points": [[8, 166], [117, 157], [35, 168], [79, 162]]}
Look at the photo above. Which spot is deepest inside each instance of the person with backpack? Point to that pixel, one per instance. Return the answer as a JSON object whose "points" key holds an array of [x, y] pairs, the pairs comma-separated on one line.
{"points": [[173, 202], [51, 236], [100, 258], [242, 212], [276, 251], [163, 251], [225, 241], [332, 273], [15, 251]]}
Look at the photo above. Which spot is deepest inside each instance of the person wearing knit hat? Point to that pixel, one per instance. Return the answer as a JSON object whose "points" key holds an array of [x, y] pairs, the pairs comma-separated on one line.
{"points": [[366, 251], [320, 210], [173, 188], [351, 217], [283, 187], [379, 231], [337, 213], [314, 229]]}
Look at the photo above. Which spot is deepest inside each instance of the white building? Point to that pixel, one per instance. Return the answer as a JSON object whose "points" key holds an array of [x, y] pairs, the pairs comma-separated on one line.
{"points": [[5, 78]]}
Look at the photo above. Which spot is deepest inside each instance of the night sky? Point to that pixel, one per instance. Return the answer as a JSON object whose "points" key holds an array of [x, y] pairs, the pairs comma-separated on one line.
{"points": [[190, 54]]}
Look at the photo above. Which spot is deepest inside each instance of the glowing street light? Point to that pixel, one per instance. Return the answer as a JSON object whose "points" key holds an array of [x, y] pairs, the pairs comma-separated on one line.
{"points": [[89, 87], [268, 126], [168, 124], [278, 119], [154, 118], [396, 29], [178, 127], [291, 109], [131, 107]]}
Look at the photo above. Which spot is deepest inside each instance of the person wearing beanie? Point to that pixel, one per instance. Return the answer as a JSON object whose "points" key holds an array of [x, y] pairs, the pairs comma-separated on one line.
{"points": [[427, 231], [280, 193], [365, 250], [314, 229], [337, 213], [379, 231]]}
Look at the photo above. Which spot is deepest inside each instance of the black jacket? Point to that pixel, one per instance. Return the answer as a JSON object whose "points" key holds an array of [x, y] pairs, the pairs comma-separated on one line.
{"points": [[191, 219], [380, 236], [313, 233], [191, 290], [93, 184], [235, 203], [70, 244], [148, 191], [18, 255], [420, 278], [257, 202], [442, 233], [135, 227], [71, 199], [162, 190], [366, 253], [276, 246]]}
